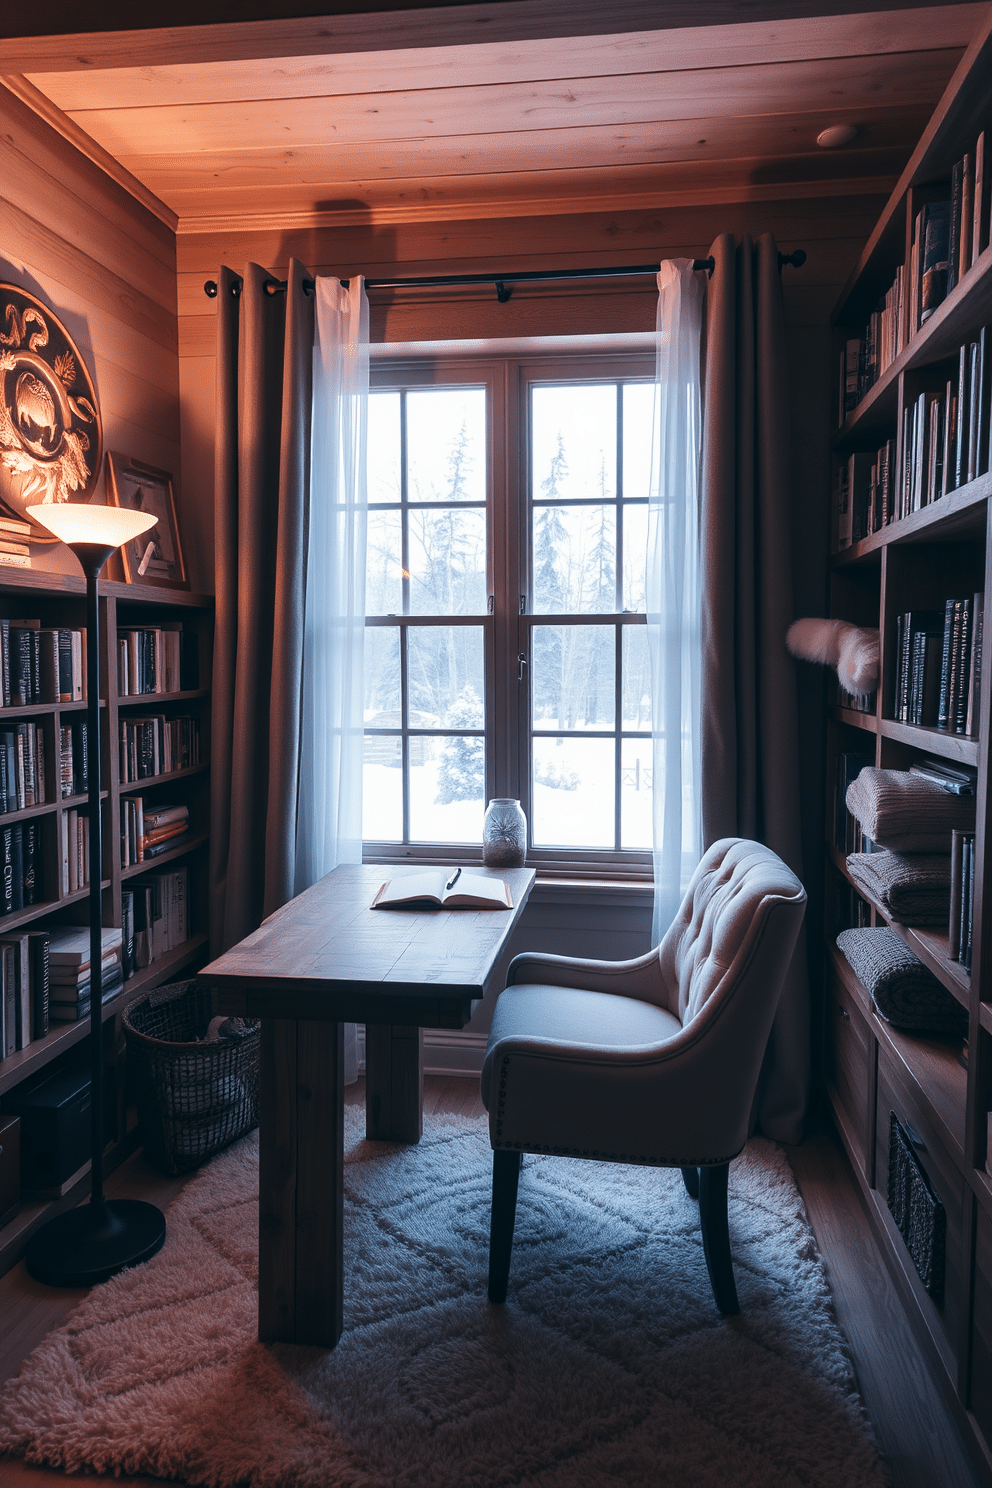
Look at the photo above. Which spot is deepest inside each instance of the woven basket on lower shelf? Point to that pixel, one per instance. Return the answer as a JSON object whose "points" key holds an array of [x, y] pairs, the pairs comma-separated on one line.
{"points": [[193, 1097]]}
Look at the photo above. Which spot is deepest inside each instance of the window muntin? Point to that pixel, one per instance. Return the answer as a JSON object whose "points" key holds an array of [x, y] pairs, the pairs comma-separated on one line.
{"points": [[427, 573], [590, 446], [503, 737]]}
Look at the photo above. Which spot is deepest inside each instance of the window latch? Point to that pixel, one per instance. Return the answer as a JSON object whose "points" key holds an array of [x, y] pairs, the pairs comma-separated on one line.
{"points": [[523, 605], [492, 604], [521, 663]]}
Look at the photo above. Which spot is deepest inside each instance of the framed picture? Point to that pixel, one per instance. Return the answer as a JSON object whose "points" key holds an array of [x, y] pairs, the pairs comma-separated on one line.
{"points": [[156, 557]]}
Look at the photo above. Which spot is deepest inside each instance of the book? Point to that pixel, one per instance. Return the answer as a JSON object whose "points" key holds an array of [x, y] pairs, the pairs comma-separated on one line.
{"points": [[959, 780], [70, 945], [444, 889], [20, 944], [935, 257], [39, 982]]}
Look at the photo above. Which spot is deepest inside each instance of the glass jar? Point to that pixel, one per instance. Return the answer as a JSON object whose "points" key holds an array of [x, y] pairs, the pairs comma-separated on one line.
{"points": [[504, 834]]}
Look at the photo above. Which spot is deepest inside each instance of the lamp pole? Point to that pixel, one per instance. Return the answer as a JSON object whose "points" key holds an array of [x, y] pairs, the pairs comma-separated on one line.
{"points": [[87, 1244]]}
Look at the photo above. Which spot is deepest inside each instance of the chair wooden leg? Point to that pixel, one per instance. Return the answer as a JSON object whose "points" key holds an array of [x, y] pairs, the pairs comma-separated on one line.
{"points": [[506, 1173], [716, 1236], [690, 1177]]}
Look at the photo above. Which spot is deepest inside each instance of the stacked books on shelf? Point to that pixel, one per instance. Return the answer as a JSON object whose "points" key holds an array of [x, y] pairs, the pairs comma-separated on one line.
{"points": [[157, 659], [22, 767], [948, 237], [155, 917], [147, 830], [14, 539], [73, 758], [24, 991], [962, 894], [20, 866], [40, 664], [75, 865], [939, 665], [69, 969], [158, 745]]}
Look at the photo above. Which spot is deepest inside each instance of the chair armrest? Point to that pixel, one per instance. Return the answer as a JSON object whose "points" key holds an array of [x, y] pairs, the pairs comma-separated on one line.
{"points": [[640, 978]]}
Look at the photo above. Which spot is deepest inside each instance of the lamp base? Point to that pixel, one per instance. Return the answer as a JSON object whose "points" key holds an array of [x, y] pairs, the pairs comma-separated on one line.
{"points": [[88, 1244]]}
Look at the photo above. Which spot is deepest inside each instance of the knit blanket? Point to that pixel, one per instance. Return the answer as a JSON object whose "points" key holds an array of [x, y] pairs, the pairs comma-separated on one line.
{"points": [[915, 889], [906, 813], [904, 991]]}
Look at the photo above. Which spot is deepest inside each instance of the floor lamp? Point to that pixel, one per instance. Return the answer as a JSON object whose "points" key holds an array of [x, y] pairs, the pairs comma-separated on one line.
{"points": [[97, 1239]]}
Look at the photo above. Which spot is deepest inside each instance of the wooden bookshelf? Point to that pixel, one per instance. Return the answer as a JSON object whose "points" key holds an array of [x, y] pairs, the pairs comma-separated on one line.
{"points": [[938, 1089], [58, 600]]}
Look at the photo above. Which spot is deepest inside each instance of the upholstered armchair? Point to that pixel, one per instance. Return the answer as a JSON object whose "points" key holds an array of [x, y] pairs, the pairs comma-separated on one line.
{"points": [[653, 1060]]}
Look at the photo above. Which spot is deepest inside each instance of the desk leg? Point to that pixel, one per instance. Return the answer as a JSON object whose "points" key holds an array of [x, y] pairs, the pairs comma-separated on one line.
{"points": [[301, 1173], [394, 1082]]}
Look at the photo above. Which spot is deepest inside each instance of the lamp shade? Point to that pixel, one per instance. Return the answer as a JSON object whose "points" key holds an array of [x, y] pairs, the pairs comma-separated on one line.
{"points": [[76, 522]]}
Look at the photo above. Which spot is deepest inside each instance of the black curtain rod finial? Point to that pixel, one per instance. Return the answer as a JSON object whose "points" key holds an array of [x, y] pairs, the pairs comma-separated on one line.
{"points": [[796, 258]]}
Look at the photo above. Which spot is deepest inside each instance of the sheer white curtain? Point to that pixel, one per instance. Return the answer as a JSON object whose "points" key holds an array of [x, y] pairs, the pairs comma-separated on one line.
{"points": [[673, 588], [329, 816]]}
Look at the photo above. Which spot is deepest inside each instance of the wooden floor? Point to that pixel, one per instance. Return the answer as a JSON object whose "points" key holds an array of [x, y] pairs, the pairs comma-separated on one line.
{"points": [[915, 1429]]}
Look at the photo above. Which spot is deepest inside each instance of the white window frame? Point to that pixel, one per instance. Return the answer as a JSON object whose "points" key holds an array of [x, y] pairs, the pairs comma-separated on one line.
{"points": [[509, 621]]}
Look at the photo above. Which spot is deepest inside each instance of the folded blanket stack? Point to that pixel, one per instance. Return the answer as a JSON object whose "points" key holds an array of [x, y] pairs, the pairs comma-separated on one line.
{"points": [[904, 991], [907, 813], [914, 888]]}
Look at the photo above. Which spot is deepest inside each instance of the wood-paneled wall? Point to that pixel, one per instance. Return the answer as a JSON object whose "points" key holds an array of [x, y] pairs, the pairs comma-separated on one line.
{"points": [[107, 267]]}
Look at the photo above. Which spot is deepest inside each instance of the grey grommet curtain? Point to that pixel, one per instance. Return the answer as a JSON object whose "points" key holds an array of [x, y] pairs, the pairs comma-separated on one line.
{"points": [[261, 496], [750, 740]]}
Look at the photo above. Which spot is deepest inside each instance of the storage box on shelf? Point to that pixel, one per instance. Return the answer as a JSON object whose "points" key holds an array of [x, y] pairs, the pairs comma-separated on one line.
{"points": [[913, 557], [163, 895]]}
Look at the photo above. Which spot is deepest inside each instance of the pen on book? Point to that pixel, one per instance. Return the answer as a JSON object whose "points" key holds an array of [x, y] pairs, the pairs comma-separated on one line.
{"points": [[453, 880]]}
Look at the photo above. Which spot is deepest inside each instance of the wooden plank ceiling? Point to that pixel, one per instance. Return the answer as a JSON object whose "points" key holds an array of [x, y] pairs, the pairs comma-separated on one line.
{"points": [[545, 125]]}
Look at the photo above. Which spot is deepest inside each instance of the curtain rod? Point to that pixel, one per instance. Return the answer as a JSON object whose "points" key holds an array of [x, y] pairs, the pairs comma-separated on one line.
{"points": [[275, 286]]}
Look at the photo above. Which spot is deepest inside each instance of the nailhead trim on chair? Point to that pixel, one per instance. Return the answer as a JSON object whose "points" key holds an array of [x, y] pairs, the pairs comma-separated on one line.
{"points": [[626, 1157]]}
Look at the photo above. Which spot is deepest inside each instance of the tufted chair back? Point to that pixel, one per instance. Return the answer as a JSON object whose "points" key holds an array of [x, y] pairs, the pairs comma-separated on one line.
{"points": [[720, 922]]}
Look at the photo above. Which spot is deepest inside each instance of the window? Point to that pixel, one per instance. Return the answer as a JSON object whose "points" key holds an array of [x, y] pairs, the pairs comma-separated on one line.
{"points": [[506, 642]]}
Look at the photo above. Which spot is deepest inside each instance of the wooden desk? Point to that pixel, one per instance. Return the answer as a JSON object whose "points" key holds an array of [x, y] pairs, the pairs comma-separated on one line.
{"points": [[325, 959]]}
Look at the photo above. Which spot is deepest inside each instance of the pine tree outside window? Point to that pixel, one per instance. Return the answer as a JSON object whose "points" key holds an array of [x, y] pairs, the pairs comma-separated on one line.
{"points": [[505, 636]]}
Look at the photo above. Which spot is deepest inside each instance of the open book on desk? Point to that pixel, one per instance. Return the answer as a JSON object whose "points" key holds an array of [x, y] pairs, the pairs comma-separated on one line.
{"points": [[440, 889]]}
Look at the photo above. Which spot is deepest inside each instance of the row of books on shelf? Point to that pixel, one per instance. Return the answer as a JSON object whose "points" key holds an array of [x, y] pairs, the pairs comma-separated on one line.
{"points": [[938, 676], [45, 972], [75, 865], [74, 779], [943, 443], [158, 745], [22, 767], [147, 831], [41, 664], [962, 897], [20, 866], [948, 236], [157, 659]]}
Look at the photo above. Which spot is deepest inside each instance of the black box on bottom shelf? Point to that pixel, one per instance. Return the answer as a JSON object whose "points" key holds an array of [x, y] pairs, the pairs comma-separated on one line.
{"points": [[10, 1167], [54, 1111]]}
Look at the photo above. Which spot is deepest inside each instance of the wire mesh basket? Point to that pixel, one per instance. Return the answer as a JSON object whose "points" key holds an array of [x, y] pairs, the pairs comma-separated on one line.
{"points": [[194, 1094]]}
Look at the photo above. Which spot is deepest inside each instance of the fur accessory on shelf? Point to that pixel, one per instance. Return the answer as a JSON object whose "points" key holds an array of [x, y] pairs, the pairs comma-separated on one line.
{"points": [[838, 643]]}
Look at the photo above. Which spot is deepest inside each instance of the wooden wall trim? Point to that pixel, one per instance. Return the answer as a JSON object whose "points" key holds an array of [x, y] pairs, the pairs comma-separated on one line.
{"points": [[165, 39], [86, 145]]}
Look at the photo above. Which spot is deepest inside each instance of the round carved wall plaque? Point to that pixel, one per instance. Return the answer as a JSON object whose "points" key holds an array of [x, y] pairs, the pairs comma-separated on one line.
{"points": [[51, 440]]}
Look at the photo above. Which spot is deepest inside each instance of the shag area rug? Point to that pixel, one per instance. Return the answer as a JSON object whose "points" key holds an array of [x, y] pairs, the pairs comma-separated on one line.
{"points": [[609, 1367]]}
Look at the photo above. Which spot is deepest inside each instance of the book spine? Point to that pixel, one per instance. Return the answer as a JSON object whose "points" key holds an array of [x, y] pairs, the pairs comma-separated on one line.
{"points": [[65, 666], [961, 434], [31, 863], [39, 983], [954, 242], [936, 235], [978, 205], [962, 260], [943, 713], [20, 666]]}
